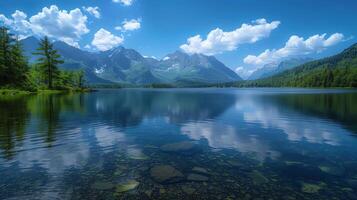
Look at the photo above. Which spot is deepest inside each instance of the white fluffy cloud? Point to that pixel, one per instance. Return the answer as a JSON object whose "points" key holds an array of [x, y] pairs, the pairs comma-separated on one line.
{"points": [[95, 11], [18, 23], [67, 26], [218, 41], [105, 40], [129, 25], [243, 73], [295, 46], [124, 2]]}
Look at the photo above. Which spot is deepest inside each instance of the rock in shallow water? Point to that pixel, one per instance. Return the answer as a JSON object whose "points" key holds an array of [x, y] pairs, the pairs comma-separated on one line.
{"points": [[102, 185], [178, 147], [258, 178], [136, 154], [337, 171], [188, 189], [165, 174], [197, 177], [200, 170], [129, 185], [312, 188]]}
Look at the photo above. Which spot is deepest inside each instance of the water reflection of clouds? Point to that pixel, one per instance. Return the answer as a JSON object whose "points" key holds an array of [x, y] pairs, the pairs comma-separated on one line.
{"points": [[224, 136], [107, 137], [69, 152], [297, 127]]}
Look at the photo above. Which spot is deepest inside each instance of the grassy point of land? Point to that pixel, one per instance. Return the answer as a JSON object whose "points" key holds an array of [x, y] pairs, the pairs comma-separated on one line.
{"points": [[17, 92], [14, 92]]}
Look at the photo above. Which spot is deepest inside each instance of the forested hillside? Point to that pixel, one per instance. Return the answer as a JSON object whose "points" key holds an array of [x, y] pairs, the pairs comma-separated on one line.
{"points": [[335, 71]]}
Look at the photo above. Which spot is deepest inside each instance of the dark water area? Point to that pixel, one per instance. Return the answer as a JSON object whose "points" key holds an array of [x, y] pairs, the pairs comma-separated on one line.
{"points": [[180, 144]]}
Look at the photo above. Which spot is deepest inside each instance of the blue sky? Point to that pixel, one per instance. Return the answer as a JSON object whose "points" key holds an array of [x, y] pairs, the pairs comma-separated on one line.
{"points": [[158, 27]]}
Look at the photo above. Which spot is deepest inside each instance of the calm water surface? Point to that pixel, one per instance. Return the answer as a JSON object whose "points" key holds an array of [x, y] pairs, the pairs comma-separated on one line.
{"points": [[180, 144]]}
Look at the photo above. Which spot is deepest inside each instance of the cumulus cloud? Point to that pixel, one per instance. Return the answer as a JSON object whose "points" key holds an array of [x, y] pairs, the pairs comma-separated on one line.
{"points": [[295, 46], [95, 11], [129, 25], [18, 23], [124, 2], [67, 26], [105, 40], [218, 41], [243, 73]]}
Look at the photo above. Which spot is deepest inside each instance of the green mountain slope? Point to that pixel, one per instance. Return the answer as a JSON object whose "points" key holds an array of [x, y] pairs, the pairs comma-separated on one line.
{"points": [[335, 71], [276, 68]]}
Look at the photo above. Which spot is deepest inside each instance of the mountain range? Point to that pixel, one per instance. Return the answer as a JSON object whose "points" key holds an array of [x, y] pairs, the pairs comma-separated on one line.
{"points": [[276, 68], [335, 71], [122, 65]]}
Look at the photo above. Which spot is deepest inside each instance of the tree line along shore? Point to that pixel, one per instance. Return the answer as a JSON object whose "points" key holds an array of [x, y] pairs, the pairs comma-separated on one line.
{"points": [[17, 76]]}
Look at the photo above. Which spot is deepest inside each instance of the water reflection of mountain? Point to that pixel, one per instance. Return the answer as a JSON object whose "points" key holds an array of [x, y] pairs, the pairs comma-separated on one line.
{"points": [[130, 107], [43, 116], [339, 107]]}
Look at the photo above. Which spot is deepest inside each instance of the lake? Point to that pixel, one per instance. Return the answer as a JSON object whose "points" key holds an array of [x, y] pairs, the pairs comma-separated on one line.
{"points": [[180, 144]]}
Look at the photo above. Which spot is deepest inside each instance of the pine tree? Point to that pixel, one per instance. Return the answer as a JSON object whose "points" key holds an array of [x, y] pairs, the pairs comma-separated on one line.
{"points": [[48, 61], [80, 78], [5, 55], [19, 66]]}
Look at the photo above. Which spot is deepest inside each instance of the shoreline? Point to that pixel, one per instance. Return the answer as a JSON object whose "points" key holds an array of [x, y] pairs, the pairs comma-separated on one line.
{"points": [[19, 92]]}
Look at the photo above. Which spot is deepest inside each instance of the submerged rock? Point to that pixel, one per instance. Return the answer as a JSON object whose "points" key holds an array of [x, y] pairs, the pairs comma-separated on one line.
{"points": [[293, 163], [178, 147], [148, 193], [162, 191], [200, 170], [136, 154], [129, 185], [337, 171], [188, 189], [258, 178], [102, 185], [234, 163], [311, 188], [165, 174], [197, 177]]}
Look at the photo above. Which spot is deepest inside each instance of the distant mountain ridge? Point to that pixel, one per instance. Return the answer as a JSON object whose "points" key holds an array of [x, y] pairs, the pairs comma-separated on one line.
{"points": [[276, 68], [121, 65], [335, 71]]}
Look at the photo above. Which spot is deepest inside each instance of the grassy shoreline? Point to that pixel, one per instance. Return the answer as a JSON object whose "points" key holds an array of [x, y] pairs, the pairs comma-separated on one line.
{"points": [[16, 92]]}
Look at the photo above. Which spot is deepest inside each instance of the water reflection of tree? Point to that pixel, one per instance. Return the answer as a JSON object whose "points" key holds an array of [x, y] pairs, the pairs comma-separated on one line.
{"points": [[340, 107], [48, 108], [15, 112], [13, 117]]}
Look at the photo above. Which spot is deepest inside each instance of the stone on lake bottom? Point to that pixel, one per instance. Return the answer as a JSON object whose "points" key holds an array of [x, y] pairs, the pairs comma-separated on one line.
{"points": [[188, 189], [258, 178], [311, 188], [200, 170], [178, 147], [137, 154], [165, 173], [129, 185], [197, 177], [102, 185]]}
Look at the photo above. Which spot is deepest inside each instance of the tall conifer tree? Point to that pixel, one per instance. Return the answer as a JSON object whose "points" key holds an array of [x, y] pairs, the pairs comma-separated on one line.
{"points": [[48, 61]]}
